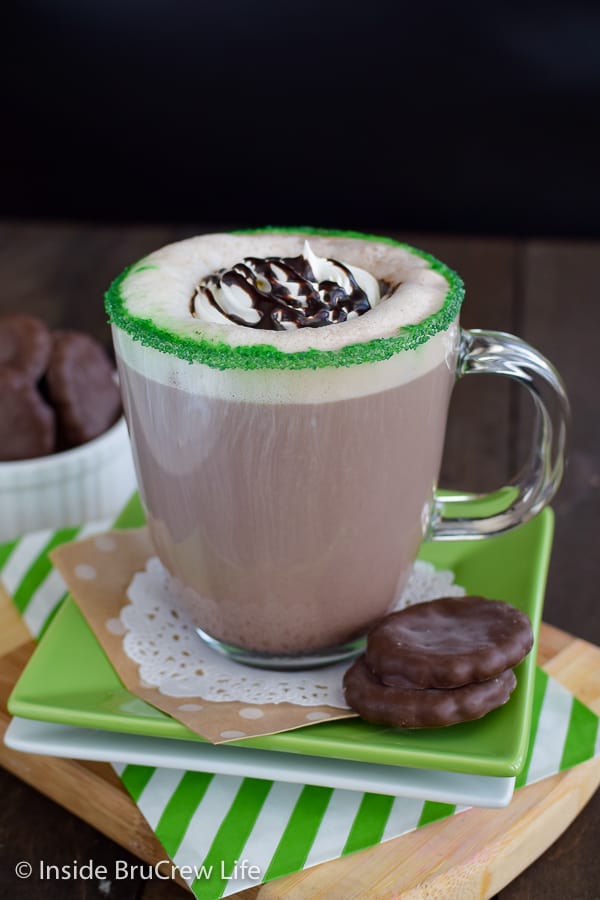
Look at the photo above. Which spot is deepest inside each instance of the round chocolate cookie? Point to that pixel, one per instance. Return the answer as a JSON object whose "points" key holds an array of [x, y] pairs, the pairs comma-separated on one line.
{"points": [[27, 423], [25, 345], [448, 642], [81, 387], [400, 707]]}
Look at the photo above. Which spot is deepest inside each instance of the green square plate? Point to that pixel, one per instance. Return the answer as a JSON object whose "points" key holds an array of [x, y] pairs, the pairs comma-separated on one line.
{"points": [[70, 681]]}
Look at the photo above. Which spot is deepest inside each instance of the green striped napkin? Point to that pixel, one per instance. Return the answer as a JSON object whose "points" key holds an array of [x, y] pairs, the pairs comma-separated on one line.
{"points": [[217, 827], [212, 821], [30, 578]]}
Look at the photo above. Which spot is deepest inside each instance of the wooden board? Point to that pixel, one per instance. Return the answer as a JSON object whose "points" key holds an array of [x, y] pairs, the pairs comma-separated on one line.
{"points": [[472, 855]]}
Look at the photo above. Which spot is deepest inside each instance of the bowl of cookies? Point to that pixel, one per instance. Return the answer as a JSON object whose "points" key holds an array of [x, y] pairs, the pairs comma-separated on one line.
{"points": [[65, 457]]}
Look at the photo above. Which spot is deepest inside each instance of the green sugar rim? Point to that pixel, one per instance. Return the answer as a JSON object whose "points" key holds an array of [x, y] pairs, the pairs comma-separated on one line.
{"points": [[220, 355]]}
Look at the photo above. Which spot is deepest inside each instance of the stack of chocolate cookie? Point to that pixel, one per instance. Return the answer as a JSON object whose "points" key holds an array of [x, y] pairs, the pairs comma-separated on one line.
{"points": [[58, 389], [439, 663]]}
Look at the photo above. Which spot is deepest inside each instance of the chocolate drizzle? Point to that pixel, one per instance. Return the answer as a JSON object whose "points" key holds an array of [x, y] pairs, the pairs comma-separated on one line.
{"points": [[284, 293]]}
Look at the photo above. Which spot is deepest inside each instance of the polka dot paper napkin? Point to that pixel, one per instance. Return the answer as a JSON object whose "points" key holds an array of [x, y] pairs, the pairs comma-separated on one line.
{"points": [[99, 572], [134, 607]]}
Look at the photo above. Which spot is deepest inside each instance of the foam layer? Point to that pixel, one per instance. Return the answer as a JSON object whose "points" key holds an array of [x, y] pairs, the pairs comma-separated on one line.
{"points": [[287, 385], [151, 302]]}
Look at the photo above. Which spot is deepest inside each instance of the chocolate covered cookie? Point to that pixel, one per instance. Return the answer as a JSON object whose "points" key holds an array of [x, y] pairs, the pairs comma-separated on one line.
{"points": [[27, 423], [447, 643], [401, 707], [81, 388], [25, 345]]}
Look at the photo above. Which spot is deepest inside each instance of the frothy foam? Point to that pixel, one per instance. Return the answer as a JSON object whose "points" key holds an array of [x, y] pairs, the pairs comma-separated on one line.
{"points": [[160, 287], [284, 385]]}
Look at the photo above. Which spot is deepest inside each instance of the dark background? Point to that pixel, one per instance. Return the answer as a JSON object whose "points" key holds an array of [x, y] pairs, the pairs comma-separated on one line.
{"points": [[449, 117]]}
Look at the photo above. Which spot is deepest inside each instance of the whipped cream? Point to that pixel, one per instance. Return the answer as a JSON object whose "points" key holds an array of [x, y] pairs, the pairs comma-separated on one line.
{"points": [[282, 293]]}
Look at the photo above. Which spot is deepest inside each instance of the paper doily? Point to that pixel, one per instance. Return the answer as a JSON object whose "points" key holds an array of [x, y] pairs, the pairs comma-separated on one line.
{"points": [[171, 656]]}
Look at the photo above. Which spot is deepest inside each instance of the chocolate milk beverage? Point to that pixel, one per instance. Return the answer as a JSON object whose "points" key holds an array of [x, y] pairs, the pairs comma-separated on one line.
{"points": [[287, 471], [295, 524]]}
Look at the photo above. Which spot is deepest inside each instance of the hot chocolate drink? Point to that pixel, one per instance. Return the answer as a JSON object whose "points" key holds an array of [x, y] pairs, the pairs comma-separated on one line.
{"points": [[287, 407], [294, 523]]}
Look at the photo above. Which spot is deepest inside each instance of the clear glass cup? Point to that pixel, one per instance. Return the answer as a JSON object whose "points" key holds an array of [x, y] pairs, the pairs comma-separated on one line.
{"points": [[291, 504]]}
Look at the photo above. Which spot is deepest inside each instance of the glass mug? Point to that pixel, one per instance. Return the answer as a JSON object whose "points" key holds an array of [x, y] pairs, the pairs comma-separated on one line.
{"points": [[291, 503]]}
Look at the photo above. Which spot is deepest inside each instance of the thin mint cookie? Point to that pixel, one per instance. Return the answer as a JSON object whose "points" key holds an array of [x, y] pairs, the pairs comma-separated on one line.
{"points": [[81, 387], [25, 345], [27, 423], [448, 642], [400, 707]]}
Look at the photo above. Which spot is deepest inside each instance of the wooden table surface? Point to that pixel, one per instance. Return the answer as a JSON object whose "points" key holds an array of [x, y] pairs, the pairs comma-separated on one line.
{"points": [[545, 291]]}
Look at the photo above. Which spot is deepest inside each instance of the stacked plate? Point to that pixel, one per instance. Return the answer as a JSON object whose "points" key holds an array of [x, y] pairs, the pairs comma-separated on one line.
{"points": [[70, 702]]}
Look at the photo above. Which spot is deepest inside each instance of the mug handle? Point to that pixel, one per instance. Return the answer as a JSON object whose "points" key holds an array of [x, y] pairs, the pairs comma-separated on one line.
{"points": [[504, 354]]}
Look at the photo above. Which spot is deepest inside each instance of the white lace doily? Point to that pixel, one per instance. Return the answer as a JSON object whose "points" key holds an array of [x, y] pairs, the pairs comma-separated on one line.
{"points": [[172, 657]]}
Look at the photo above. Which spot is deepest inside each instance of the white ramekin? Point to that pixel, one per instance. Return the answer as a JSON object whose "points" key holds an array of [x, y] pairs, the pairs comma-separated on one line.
{"points": [[76, 486]]}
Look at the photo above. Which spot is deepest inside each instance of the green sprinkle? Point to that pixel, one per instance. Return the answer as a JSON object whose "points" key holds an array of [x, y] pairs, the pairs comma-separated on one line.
{"points": [[220, 355]]}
